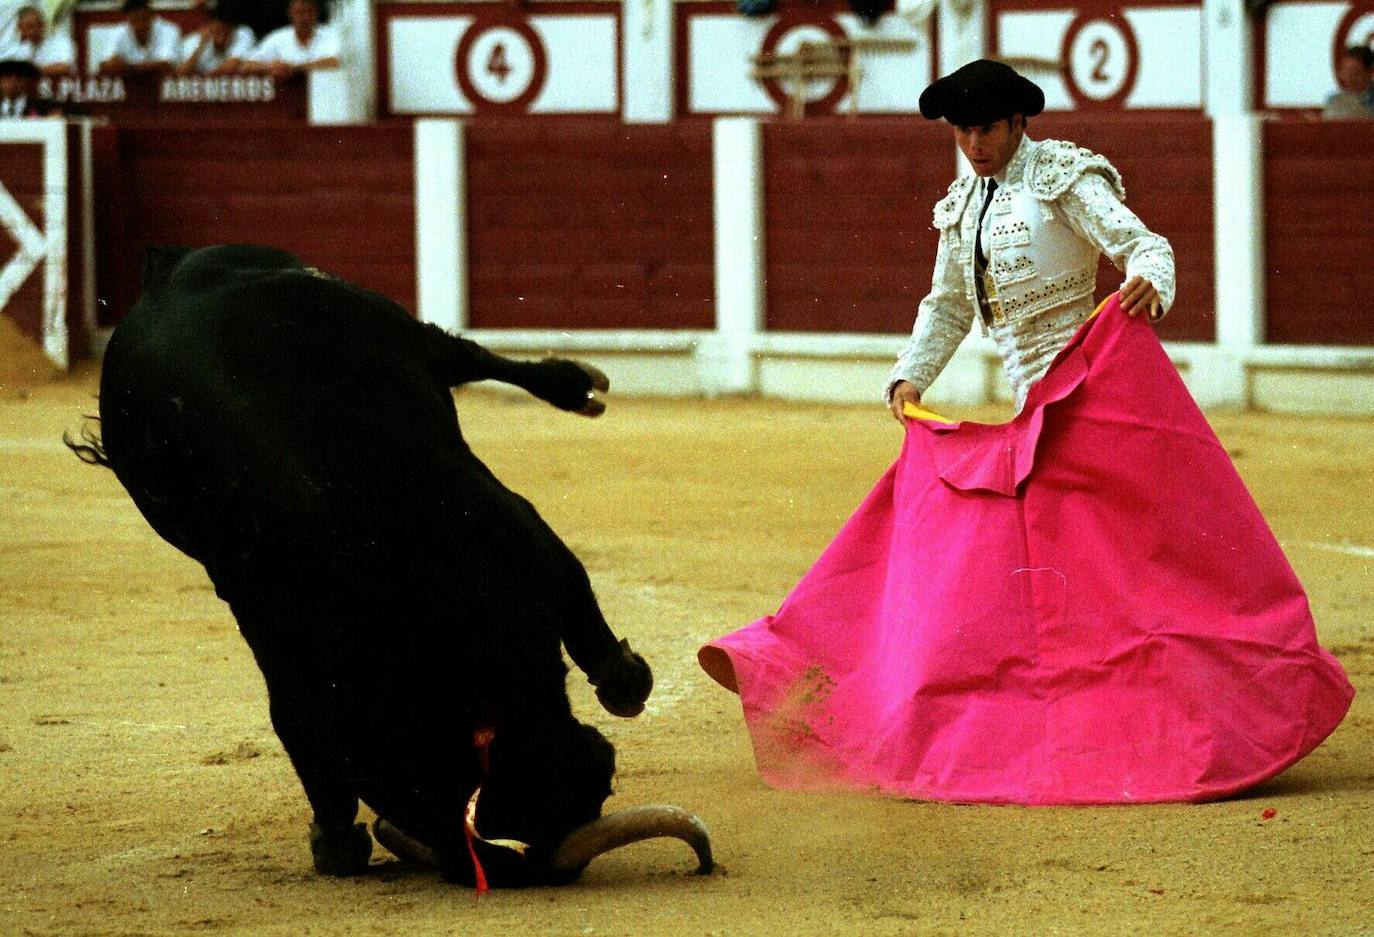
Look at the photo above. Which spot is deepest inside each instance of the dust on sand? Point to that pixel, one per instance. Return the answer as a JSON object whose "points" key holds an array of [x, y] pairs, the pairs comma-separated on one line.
{"points": [[145, 793], [22, 362]]}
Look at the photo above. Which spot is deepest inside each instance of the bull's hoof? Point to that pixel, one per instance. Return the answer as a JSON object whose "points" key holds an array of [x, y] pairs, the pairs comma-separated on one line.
{"points": [[600, 382], [624, 682], [342, 851], [572, 385]]}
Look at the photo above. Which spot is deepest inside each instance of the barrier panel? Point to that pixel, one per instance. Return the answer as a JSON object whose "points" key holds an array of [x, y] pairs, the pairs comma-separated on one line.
{"points": [[848, 237], [341, 198], [1318, 202], [589, 224]]}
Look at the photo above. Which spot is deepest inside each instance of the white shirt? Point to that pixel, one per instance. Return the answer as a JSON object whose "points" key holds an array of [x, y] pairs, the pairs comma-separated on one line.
{"points": [[55, 49], [281, 45], [164, 44], [240, 47]]}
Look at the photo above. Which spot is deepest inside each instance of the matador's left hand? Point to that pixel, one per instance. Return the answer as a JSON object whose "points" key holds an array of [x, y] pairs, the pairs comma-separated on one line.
{"points": [[1139, 294]]}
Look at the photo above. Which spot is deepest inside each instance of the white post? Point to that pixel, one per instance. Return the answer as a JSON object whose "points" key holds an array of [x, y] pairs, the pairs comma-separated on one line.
{"points": [[440, 224], [54, 240], [329, 98], [962, 32], [1238, 239], [647, 50], [1230, 57], [356, 20], [347, 94], [725, 359]]}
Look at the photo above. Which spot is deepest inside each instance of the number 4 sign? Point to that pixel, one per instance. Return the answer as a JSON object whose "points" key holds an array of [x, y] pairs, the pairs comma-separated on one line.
{"points": [[500, 64]]}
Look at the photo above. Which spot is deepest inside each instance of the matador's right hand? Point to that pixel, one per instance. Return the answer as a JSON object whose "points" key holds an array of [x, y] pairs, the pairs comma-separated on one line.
{"points": [[903, 392]]}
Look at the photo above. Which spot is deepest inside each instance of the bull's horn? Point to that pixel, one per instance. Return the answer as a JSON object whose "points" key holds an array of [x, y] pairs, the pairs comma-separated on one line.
{"points": [[631, 825], [403, 846]]}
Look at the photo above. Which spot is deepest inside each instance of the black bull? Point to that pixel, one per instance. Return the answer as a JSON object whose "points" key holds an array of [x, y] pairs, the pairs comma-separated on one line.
{"points": [[297, 436]]}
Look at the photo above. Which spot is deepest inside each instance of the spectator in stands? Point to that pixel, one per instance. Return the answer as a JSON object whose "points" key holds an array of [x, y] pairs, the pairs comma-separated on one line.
{"points": [[305, 45], [146, 43], [217, 48], [1355, 77], [19, 90], [261, 16], [53, 53]]}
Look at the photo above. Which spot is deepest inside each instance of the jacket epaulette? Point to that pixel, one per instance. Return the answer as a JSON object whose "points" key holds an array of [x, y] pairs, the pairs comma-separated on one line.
{"points": [[1058, 164], [951, 207]]}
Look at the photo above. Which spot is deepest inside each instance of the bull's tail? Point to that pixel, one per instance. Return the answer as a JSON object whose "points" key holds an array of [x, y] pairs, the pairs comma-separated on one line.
{"points": [[88, 448]]}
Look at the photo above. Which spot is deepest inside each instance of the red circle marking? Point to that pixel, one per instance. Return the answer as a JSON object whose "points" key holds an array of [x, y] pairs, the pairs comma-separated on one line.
{"points": [[482, 23], [1082, 100], [1342, 37], [785, 24]]}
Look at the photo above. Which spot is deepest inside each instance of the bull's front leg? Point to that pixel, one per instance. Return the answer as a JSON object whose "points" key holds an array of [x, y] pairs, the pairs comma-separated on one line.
{"points": [[568, 385], [622, 678], [338, 844]]}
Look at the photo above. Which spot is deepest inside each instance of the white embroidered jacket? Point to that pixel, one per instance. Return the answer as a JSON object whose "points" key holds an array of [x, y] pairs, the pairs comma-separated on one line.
{"points": [[1058, 206]]}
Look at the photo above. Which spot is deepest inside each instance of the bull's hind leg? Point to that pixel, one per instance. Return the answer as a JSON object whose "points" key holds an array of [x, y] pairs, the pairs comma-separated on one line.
{"points": [[568, 385]]}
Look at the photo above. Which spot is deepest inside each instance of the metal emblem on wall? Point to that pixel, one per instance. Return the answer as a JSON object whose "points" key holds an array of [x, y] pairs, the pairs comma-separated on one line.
{"points": [[813, 59], [789, 68]]}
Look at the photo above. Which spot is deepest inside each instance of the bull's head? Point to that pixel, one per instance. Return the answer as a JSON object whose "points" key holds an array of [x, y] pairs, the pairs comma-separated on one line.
{"points": [[547, 792]]}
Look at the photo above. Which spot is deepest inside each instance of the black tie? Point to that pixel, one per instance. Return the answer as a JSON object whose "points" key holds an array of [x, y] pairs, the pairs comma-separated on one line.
{"points": [[978, 238]]}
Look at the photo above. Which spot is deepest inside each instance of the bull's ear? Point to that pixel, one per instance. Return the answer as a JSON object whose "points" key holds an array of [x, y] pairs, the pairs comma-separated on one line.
{"points": [[624, 682]]}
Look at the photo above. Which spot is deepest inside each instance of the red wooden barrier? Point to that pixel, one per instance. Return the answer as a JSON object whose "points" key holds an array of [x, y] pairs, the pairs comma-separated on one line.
{"points": [[341, 198], [848, 237], [1318, 202], [589, 224]]}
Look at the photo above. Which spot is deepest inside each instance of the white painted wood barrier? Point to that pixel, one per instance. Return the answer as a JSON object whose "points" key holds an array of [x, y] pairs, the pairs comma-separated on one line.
{"points": [[725, 358], [441, 262]]}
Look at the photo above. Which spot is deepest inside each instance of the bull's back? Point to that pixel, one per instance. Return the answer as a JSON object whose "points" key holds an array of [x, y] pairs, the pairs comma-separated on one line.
{"points": [[261, 412]]}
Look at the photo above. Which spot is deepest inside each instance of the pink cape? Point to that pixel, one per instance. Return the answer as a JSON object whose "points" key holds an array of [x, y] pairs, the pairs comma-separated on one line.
{"points": [[1081, 606]]}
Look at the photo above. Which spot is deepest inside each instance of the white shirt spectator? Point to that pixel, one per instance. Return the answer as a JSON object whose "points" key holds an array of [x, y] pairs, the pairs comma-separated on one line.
{"points": [[9, 29], [55, 49], [240, 47], [164, 44], [281, 45]]}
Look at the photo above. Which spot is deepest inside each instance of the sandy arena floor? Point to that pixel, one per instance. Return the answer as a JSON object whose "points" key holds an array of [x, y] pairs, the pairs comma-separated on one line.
{"points": [[142, 790]]}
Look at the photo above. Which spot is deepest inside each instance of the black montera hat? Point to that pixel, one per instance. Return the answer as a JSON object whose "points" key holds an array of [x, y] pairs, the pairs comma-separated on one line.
{"points": [[21, 68], [980, 93]]}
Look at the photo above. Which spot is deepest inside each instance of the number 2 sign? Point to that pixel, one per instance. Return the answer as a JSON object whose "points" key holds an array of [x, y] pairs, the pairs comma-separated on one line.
{"points": [[500, 64], [1101, 59]]}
